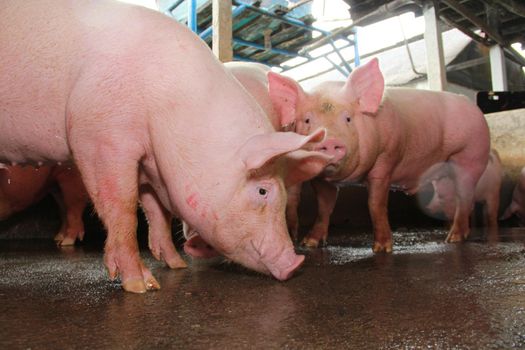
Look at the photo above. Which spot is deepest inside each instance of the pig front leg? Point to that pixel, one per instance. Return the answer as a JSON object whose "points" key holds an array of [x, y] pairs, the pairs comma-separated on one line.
{"points": [[292, 205], [110, 174], [159, 231], [378, 189], [326, 198]]}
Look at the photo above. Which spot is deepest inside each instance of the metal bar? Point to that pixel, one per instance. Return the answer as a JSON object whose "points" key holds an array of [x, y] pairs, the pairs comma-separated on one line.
{"points": [[357, 60], [192, 15], [311, 59], [343, 61], [462, 10], [208, 31], [323, 41], [467, 64], [262, 47], [285, 19], [336, 66], [174, 6]]}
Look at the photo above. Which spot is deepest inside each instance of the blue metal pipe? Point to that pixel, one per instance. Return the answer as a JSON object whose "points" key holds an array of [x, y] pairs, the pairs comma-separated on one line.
{"points": [[174, 6], [262, 47], [208, 31], [286, 19], [192, 15], [357, 60]]}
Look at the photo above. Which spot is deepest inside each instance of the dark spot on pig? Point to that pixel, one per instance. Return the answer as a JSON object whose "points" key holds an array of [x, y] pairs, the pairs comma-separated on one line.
{"points": [[327, 107]]}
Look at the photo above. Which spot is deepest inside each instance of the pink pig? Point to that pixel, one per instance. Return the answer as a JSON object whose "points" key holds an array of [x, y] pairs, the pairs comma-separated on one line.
{"points": [[517, 206], [387, 138], [147, 113], [20, 187], [486, 192], [253, 77]]}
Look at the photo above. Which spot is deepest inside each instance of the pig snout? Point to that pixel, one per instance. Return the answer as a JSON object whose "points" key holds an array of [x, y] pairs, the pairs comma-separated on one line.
{"points": [[286, 265], [333, 148]]}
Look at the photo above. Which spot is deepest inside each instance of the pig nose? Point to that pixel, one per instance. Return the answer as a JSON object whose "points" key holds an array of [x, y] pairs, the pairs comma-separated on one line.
{"points": [[288, 271], [332, 147]]}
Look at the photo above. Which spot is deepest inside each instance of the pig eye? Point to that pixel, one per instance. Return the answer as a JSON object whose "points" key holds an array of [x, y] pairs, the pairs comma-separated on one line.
{"points": [[307, 117], [263, 191], [348, 119]]}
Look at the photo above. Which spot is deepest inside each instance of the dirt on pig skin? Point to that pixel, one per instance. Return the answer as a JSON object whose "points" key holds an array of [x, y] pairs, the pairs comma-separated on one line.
{"points": [[427, 294]]}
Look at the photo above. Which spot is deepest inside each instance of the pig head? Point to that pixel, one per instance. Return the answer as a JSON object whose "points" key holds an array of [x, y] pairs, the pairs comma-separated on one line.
{"points": [[387, 138]]}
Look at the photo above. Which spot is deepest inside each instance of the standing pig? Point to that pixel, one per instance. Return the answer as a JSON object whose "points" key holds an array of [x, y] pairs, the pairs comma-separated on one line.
{"points": [[486, 192], [387, 138], [147, 113], [253, 77], [20, 187], [517, 206]]}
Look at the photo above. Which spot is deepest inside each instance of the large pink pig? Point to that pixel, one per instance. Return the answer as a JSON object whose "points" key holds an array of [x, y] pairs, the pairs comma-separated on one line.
{"points": [[21, 187], [517, 206], [253, 77], [486, 192], [148, 113], [387, 138]]}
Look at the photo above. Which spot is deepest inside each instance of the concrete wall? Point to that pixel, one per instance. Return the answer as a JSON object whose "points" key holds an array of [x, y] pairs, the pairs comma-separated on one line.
{"points": [[507, 132]]}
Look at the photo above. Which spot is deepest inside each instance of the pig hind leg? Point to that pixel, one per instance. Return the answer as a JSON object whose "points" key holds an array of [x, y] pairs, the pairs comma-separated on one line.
{"points": [[466, 174], [159, 232], [72, 201]]}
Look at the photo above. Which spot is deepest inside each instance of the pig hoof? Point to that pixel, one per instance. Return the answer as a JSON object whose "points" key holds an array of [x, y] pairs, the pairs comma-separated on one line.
{"points": [[454, 238], [310, 242], [176, 263], [135, 286], [152, 284], [67, 241], [59, 237], [382, 247]]}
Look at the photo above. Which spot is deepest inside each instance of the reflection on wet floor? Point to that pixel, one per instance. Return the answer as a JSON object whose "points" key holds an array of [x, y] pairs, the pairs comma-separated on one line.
{"points": [[427, 294]]}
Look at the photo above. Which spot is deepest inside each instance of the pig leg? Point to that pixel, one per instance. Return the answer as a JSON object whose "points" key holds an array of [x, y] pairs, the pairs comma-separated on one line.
{"points": [[326, 198], [292, 204], [465, 183], [72, 202], [378, 188], [110, 174], [491, 213], [159, 236]]}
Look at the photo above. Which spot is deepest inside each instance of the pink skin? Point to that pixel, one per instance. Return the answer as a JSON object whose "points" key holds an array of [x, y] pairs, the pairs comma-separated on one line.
{"points": [[517, 206], [140, 103], [391, 137], [486, 192], [253, 77], [21, 187]]}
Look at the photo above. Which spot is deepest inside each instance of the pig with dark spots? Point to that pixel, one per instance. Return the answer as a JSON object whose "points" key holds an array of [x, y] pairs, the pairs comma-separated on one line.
{"points": [[486, 193], [21, 187], [147, 113], [387, 138], [517, 206]]}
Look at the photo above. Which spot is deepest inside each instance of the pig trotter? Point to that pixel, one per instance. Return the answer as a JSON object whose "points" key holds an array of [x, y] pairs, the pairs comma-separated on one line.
{"points": [[317, 235], [385, 247]]}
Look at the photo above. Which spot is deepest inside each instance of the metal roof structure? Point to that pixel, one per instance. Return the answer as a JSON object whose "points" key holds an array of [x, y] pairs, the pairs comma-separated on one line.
{"points": [[488, 22]]}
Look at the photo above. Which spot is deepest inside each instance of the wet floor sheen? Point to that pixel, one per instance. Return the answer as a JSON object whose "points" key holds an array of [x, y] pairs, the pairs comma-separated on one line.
{"points": [[427, 294]]}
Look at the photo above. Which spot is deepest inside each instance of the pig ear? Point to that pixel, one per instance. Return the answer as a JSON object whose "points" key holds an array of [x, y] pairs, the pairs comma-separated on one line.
{"points": [[285, 94], [261, 149], [304, 165], [366, 85]]}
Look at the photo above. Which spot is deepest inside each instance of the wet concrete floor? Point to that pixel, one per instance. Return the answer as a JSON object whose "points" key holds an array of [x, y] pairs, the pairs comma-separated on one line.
{"points": [[427, 294]]}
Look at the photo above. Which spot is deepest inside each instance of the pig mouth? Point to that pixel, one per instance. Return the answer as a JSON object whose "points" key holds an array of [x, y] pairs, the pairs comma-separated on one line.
{"points": [[331, 170]]}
